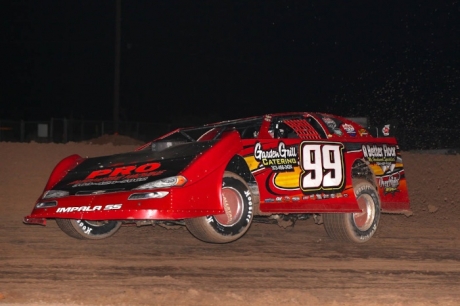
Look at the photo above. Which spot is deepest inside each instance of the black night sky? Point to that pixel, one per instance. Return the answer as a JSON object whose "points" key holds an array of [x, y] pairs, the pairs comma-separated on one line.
{"points": [[230, 59]]}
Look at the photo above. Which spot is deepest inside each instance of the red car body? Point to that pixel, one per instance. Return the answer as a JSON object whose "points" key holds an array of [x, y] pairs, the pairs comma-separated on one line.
{"points": [[294, 163]]}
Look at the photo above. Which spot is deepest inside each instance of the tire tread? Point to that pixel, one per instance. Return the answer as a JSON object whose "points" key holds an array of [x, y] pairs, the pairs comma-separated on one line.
{"points": [[66, 226], [200, 228], [337, 225]]}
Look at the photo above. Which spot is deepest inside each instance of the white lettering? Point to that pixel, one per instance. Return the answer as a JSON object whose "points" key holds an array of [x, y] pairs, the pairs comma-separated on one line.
{"points": [[280, 152]]}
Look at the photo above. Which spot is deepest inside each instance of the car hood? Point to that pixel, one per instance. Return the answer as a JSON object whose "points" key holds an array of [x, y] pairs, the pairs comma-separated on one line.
{"points": [[127, 171]]}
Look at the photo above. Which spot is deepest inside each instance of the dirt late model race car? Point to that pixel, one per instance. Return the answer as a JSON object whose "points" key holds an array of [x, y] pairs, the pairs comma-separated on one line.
{"points": [[218, 178]]}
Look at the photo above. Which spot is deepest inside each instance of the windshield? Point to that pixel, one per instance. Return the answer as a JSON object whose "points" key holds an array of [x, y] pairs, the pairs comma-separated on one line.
{"points": [[247, 128]]}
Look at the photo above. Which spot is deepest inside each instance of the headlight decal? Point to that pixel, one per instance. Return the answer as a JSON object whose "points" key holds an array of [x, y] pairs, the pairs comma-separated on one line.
{"points": [[172, 181], [51, 194]]}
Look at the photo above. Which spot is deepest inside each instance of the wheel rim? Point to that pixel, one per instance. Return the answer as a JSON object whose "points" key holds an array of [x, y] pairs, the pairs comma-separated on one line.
{"points": [[364, 219], [233, 206], [95, 223]]}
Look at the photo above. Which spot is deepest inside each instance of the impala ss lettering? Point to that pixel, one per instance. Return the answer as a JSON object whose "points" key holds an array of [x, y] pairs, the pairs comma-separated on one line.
{"points": [[88, 208], [281, 159]]}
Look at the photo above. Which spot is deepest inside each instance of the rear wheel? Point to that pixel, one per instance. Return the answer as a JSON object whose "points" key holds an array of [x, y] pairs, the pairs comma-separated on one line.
{"points": [[356, 227], [231, 225], [88, 229]]}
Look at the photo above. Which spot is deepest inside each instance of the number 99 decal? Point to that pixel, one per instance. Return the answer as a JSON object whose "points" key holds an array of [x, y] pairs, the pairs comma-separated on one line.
{"points": [[322, 166]]}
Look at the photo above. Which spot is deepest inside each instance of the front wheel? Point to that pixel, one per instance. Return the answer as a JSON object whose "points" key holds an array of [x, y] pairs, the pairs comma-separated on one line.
{"points": [[88, 229], [356, 227], [231, 225]]}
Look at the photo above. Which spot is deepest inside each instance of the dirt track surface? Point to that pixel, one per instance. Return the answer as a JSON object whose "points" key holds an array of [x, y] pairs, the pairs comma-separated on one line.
{"points": [[411, 261]]}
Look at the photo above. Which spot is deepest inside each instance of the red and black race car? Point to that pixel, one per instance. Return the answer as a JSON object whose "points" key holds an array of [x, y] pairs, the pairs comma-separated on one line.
{"points": [[218, 178]]}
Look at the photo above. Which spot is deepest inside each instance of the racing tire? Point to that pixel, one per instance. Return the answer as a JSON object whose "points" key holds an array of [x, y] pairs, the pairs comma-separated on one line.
{"points": [[356, 227], [88, 229], [234, 223]]}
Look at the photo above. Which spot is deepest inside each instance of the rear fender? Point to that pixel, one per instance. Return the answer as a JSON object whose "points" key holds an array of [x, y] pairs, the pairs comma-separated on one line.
{"points": [[393, 193], [384, 185]]}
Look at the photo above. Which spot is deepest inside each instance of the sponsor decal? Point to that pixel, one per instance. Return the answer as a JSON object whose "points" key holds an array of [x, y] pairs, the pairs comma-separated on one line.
{"points": [[382, 155], [86, 229], [248, 195], [230, 217], [124, 171], [228, 210], [269, 200], [119, 175], [295, 199], [376, 153], [283, 158], [279, 199], [287, 199], [88, 208], [329, 122], [390, 183], [362, 132], [322, 196], [332, 125], [349, 129], [135, 178], [386, 130]]}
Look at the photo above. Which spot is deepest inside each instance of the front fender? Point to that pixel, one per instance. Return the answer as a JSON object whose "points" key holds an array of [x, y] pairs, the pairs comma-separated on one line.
{"points": [[62, 168], [205, 173], [201, 196]]}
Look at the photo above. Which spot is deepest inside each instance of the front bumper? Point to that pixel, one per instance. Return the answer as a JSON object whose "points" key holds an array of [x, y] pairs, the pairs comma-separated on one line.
{"points": [[179, 203], [31, 220]]}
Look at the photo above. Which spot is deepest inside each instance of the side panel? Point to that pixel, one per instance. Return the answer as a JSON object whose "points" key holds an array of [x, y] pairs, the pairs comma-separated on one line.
{"points": [[296, 176]]}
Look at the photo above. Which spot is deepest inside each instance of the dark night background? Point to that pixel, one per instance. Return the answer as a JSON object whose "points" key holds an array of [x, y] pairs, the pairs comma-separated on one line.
{"points": [[395, 60]]}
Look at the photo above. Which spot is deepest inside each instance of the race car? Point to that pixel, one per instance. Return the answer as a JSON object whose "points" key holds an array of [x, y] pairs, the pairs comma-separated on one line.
{"points": [[218, 178]]}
